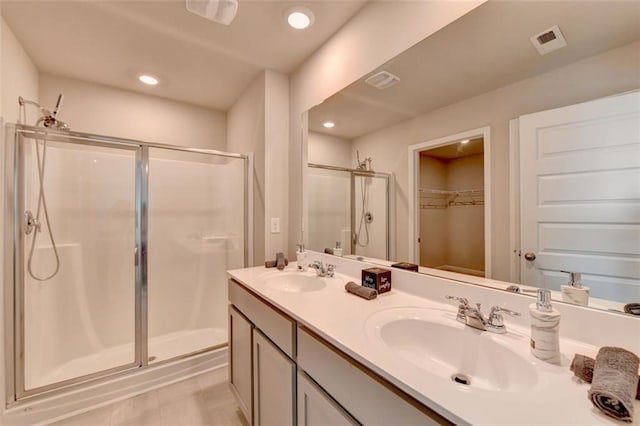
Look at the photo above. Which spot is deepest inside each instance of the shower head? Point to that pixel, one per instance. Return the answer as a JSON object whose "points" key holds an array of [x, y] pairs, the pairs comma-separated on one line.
{"points": [[58, 105], [47, 118]]}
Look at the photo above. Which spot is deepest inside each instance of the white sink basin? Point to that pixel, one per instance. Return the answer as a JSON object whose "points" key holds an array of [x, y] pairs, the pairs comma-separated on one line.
{"points": [[434, 342], [296, 282]]}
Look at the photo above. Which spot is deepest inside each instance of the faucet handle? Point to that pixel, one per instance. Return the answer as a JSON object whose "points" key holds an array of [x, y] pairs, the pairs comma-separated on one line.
{"points": [[462, 300], [497, 309], [330, 270], [496, 322]]}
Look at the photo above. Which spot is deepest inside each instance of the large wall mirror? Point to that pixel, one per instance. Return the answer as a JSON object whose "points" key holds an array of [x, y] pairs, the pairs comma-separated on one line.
{"points": [[510, 140]]}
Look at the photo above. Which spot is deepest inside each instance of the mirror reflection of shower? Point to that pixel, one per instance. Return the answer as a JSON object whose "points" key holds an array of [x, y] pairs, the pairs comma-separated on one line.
{"points": [[33, 223], [335, 209], [361, 237]]}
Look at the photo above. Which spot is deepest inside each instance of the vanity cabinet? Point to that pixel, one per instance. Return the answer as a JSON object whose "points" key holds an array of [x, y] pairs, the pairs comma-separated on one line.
{"points": [[367, 397], [283, 374], [317, 408], [240, 361], [273, 384], [261, 348]]}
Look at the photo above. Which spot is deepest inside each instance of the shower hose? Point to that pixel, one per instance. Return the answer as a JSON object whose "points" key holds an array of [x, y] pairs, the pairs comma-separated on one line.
{"points": [[364, 190], [42, 208]]}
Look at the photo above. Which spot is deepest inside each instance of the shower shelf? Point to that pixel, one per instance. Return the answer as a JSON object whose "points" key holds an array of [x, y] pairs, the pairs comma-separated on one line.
{"points": [[442, 199]]}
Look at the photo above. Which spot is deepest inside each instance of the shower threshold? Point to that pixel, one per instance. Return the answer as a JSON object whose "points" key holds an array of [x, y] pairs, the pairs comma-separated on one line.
{"points": [[161, 348]]}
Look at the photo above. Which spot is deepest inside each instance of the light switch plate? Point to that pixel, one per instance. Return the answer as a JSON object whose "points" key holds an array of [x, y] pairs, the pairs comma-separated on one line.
{"points": [[275, 225]]}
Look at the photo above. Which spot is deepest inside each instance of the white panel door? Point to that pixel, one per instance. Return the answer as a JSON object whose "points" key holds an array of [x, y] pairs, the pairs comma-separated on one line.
{"points": [[580, 196]]}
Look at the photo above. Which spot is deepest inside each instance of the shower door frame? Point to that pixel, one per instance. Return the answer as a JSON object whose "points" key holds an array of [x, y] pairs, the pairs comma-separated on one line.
{"points": [[389, 180], [13, 259]]}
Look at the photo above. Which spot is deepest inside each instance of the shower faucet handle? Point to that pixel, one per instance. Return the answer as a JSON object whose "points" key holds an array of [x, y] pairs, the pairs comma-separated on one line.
{"points": [[31, 222]]}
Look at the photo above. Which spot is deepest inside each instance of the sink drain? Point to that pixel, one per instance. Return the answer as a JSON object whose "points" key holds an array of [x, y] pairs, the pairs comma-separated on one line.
{"points": [[463, 379]]}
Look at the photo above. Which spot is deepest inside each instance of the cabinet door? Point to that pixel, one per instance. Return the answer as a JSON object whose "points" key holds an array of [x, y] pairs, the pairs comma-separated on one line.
{"points": [[316, 408], [273, 384], [240, 346]]}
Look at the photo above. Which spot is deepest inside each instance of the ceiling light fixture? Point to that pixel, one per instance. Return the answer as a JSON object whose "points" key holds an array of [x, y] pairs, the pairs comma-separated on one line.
{"points": [[300, 17], [464, 141], [329, 124], [148, 79]]}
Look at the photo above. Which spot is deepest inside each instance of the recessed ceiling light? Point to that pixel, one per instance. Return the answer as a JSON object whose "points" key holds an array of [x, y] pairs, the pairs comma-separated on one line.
{"points": [[465, 141], [147, 79], [329, 124], [300, 17]]}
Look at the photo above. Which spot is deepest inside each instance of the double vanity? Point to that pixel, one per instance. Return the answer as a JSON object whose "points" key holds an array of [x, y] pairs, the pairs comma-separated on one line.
{"points": [[305, 351]]}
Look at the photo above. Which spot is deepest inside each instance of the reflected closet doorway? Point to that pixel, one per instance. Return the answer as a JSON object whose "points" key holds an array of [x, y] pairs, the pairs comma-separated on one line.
{"points": [[449, 226]]}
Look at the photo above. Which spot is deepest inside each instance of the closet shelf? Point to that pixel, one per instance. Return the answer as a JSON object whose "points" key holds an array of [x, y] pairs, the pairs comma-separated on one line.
{"points": [[442, 199]]}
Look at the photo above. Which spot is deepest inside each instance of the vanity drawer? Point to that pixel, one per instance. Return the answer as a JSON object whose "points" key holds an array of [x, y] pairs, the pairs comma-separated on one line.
{"points": [[369, 398], [278, 327]]}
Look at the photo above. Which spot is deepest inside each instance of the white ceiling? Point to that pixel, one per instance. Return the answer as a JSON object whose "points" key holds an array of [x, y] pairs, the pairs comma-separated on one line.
{"points": [[197, 60], [484, 50]]}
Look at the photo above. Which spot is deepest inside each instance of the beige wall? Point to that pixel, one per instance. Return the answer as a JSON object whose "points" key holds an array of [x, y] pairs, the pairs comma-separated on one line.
{"points": [[465, 224], [613, 72], [433, 234], [329, 150], [380, 31], [19, 77], [258, 123], [95, 108], [276, 145], [246, 134]]}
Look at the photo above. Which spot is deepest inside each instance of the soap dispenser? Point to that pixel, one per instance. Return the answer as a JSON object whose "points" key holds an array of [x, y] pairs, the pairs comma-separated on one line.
{"points": [[337, 251], [301, 258], [574, 292], [545, 329]]}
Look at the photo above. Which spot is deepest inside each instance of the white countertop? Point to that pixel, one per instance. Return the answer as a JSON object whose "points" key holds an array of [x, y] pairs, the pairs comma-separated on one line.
{"points": [[340, 318]]}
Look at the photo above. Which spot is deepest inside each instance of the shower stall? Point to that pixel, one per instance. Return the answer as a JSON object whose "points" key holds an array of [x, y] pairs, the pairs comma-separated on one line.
{"points": [[128, 270], [351, 206]]}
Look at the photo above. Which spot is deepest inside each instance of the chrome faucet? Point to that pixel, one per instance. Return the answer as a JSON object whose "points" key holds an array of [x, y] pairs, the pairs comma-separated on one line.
{"points": [[323, 270], [473, 317]]}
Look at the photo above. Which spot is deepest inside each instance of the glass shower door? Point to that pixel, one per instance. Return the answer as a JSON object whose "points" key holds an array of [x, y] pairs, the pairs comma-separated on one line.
{"points": [[370, 214], [329, 209], [77, 290], [197, 223]]}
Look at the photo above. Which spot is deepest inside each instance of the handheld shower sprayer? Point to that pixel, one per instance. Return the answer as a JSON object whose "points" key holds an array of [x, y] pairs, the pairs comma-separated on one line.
{"points": [[366, 217], [32, 223]]}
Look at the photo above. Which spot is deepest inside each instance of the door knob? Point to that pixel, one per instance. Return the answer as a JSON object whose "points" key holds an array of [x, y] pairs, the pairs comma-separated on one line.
{"points": [[530, 256]]}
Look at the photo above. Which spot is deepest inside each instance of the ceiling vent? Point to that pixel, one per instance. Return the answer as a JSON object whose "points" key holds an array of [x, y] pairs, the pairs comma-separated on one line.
{"points": [[382, 80], [549, 40], [220, 11]]}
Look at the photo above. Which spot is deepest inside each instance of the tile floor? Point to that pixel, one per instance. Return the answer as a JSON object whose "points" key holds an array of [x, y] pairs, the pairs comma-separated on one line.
{"points": [[202, 400]]}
